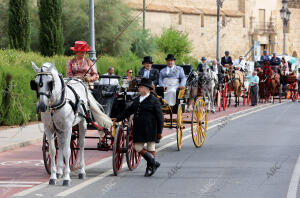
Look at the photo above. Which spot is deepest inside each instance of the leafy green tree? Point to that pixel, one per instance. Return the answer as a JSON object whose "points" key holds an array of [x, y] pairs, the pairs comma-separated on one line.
{"points": [[51, 34], [19, 25], [144, 43], [174, 42]]}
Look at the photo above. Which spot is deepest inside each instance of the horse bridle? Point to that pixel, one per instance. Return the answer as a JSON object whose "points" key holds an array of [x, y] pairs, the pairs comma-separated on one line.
{"points": [[33, 85]]}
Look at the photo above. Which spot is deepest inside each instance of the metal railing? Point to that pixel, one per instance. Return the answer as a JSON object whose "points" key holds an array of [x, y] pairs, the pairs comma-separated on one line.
{"points": [[267, 27]]}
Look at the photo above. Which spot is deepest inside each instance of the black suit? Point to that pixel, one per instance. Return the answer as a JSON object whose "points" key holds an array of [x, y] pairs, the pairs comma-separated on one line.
{"points": [[228, 61], [154, 75], [148, 119]]}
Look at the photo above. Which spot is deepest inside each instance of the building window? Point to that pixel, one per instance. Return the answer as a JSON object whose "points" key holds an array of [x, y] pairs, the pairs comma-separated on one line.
{"points": [[180, 18], [202, 20]]}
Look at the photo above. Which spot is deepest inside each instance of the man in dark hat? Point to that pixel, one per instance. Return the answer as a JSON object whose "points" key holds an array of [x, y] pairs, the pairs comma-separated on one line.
{"points": [[226, 60], [200, 66], [171, 78], [148, 72], [147, 124]]}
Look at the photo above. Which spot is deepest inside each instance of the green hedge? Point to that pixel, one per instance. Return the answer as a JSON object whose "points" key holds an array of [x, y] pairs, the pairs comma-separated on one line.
{"points": [[17, 101]]}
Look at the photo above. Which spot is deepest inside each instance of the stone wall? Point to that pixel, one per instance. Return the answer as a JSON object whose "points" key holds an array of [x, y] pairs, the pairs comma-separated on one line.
{"points": [[238, 21]]}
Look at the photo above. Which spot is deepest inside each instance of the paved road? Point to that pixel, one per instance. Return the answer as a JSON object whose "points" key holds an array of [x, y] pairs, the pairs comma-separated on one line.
{"points": [[250, 154]]}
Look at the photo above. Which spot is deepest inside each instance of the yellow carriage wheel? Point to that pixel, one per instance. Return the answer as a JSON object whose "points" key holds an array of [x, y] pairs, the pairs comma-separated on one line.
{"points": [[179, 127], [199, 123]]}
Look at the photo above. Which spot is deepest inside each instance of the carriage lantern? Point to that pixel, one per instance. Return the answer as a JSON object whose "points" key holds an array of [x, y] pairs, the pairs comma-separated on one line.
{"points": [[285, 14]]}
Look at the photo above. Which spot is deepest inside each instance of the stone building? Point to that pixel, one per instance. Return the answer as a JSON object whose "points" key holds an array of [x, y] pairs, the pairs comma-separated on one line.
{"points": [[242, 22]]}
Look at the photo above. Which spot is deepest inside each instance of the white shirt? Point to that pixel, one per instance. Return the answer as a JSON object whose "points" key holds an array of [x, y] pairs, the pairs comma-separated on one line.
{"points": [[109, 81], [238, 63], [169, 69], [146, 73], [142, 98], [215, 68]]}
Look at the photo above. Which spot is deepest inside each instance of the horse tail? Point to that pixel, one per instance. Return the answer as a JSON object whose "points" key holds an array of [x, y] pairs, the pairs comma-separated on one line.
{"points": [[101, 118]]}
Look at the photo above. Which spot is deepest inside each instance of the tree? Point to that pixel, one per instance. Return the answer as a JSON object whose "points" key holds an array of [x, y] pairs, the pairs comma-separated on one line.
{"points": [[51, 34], [19, 25], [174, 42], [144, 43]]}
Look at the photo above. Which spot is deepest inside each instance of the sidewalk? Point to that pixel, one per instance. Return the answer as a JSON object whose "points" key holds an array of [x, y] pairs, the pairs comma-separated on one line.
{"points": [[20, 137]]}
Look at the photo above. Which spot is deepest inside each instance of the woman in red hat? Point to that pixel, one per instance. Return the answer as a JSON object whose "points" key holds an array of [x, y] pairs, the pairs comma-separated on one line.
{"points": [[79, 65]]}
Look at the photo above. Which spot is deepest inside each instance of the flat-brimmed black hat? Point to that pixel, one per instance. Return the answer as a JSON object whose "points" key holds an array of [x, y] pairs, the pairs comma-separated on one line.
{"points": [[203, 58], [170, 57], [147, 59], [146, 82]]}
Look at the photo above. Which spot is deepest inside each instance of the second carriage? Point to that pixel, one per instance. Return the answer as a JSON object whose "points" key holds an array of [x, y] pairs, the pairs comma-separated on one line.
{"points": [[175, 116]]}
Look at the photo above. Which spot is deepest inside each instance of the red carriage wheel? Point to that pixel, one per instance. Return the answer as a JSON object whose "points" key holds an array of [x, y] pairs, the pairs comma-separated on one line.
{"points": [[132, 156], [74, 145], [118, 150], [225, 97], [249, 99], [74, 151], [221, 96], [46, 154], [295, 91]]}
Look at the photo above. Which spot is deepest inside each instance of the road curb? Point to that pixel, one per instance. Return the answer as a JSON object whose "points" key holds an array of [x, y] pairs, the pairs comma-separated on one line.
{"points": [[20, 144]]}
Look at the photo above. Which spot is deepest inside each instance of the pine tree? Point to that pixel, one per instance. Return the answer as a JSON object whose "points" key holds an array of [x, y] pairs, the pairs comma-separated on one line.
{"points": [[51, 34], [19, 25]]}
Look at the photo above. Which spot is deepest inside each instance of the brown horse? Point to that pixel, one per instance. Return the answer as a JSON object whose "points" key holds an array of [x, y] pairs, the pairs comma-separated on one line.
{"points": [[235, 80], [272, 83], [261, 84]]}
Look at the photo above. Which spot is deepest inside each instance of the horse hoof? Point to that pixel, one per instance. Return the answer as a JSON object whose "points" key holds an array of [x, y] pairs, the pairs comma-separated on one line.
{"points": [[81, 176], [58, 176], [52, 181], [67, 183]]}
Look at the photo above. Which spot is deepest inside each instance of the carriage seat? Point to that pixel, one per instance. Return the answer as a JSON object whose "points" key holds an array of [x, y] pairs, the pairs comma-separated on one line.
{"points": [[105, 95]]}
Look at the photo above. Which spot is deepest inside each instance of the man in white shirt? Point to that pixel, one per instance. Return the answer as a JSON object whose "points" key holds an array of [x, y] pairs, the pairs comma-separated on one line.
{"points": [[109, 81], [240, 64]]}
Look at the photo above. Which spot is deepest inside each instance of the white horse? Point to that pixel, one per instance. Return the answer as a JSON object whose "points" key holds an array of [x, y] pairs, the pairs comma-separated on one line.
{"points": [[62, 106], [208, 82]]}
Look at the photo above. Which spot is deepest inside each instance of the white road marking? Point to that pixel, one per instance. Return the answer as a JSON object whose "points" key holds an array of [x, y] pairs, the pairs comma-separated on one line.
{"points": [[101, 176], [15, 185], [20, 182], [292, 192]]}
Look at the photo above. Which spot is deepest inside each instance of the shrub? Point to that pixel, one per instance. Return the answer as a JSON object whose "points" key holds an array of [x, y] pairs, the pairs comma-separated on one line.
{"points": [[174, 42]]}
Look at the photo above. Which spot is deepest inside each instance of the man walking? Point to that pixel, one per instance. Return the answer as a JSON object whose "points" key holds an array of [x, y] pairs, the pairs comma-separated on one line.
{"points": [[147, 124], [254, 80]]}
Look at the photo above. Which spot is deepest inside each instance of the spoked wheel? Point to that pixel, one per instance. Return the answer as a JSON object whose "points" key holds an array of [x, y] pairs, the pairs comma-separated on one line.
{"points": [[132, 156], [248, 96], [221, 97], [46, 154], [74, 145], [199, 123], [225, 97], [295, 91], [179, 127], [118, 150]]}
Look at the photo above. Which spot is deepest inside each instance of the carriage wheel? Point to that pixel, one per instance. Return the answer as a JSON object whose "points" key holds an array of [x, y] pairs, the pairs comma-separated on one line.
{"points": [[199, 123], [221, 97], [74, 145], [295, 91], [225, 97], [249, 99], [132, 156], [46, 154], [118, 150], [179, 127]]}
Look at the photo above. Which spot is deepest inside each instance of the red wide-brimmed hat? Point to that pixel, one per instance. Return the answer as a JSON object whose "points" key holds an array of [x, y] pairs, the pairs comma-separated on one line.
{"points": [[81, 46]]}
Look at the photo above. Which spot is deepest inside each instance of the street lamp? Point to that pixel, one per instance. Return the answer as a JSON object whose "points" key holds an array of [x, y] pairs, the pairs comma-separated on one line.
{"points": [[219, 6], [92, 53], [285, 14]]}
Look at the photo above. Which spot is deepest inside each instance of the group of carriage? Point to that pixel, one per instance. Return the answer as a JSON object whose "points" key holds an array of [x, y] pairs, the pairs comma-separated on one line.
{"points": [[119, 138], [276, 85]]}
